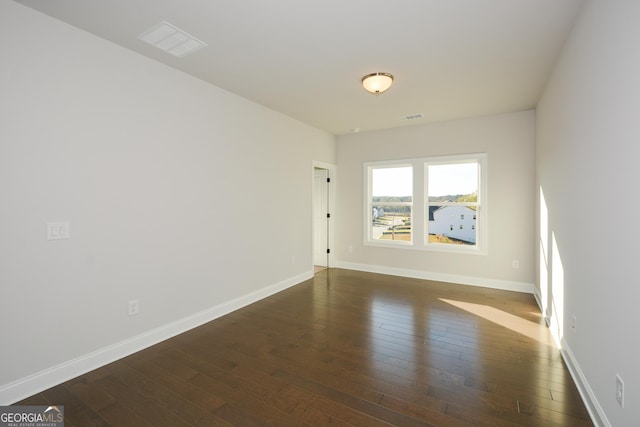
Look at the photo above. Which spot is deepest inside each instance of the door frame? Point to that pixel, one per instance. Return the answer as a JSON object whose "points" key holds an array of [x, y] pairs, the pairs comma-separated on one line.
{"points": [[331, 202]]}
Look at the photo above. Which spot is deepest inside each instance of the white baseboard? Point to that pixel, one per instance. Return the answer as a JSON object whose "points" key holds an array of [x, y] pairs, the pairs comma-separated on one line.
{"points": [[441, 277], [538, 298], [596, 412], [40, 381]]}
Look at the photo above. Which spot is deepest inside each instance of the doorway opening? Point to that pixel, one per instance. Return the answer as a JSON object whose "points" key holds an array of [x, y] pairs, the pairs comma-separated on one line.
{"points": [[322, 221]]}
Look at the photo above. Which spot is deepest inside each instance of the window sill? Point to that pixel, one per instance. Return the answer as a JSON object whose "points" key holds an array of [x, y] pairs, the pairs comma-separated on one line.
{"points": [[447, 249]]}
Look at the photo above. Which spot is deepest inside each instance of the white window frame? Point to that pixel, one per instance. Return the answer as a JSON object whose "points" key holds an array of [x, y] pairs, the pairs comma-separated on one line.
{"points": [[420, 205]]}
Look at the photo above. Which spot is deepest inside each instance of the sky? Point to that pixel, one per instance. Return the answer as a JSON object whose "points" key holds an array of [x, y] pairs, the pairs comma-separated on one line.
{"points": [[443, 180]]}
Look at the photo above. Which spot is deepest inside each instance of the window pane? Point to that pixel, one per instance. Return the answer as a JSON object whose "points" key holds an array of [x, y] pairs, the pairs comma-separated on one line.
{"points": [[391, 198], [391, 222], [448, 184], [392, 183], [453, 182]]}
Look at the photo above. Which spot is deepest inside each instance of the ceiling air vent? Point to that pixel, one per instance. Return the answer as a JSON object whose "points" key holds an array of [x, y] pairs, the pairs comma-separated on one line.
{"points": [[412, 116], [171, 39]]}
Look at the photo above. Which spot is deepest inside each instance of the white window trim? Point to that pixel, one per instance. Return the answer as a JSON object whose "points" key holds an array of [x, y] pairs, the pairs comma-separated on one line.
{"points": [[420, 211]]}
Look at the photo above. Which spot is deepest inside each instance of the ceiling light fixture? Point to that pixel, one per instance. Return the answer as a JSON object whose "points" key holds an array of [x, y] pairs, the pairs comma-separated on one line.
{"points": [[376, 83]]}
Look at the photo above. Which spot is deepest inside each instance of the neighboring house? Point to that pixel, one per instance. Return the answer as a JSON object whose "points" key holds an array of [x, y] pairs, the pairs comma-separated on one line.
{"points": [[377, 212], [456, 222]]}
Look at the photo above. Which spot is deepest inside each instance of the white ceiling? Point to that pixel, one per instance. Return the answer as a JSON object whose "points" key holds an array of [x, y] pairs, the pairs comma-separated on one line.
{"points": [[451, 58]]}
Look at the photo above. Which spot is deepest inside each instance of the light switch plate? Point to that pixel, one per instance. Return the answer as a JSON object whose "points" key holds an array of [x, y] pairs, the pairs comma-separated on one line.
{"points": [[58, 230]]}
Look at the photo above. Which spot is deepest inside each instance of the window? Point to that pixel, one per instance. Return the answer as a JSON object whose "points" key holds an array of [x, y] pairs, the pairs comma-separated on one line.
{"points": [[390, 203], [443, 199]]}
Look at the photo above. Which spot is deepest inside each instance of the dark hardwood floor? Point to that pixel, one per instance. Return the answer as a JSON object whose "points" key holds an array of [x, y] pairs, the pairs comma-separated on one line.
{"points": [[345, 348]]}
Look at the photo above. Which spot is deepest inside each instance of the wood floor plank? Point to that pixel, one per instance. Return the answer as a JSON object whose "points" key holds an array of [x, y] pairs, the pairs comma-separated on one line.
{"points": [[196, 401], [194, 404], [345, 348], [75, 410], [268, 365], [139, 404], [366, 407]]}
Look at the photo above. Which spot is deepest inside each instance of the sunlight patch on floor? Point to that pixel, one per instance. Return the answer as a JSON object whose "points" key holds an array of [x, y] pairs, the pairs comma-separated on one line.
{"points": [[507, 320]]}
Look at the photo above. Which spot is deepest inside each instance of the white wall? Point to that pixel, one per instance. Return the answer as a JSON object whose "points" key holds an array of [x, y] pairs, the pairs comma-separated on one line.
{"points": [[587, 170], [509, 141], [172, 188]]}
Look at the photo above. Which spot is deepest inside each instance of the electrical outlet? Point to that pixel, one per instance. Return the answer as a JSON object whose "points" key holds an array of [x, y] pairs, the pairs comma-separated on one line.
{"points": [[350, 249], [515, 264], [620, 390], [293, 259], [574, 322], [133, 307]]}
